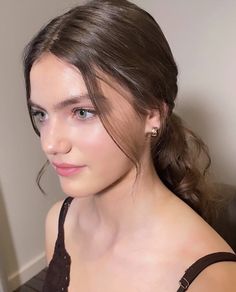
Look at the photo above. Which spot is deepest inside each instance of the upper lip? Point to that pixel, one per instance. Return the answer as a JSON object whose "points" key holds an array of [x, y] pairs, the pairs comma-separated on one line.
{"points": [[65, 165]]}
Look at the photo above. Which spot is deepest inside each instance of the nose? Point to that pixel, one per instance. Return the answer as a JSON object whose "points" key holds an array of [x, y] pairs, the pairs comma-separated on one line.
{"points": [[54, 140]]}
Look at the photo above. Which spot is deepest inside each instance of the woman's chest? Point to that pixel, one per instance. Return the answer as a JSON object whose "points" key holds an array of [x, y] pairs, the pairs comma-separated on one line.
{"points": [[143, 273]]}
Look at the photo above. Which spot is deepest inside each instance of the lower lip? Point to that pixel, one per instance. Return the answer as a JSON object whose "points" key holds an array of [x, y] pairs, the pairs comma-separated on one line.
{"points": [[68, 171]]}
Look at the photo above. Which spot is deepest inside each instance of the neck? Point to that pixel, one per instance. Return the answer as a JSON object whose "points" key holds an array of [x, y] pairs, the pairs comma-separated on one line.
{"points": [[126, 207]]}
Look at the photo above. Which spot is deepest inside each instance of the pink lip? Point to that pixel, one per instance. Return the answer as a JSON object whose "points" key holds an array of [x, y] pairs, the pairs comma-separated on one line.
{"points": [[65, 169]]}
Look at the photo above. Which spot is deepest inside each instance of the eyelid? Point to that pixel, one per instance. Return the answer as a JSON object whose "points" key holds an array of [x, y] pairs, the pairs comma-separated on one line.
{"points": [[86, 108], [36, 110], [89, 110]]}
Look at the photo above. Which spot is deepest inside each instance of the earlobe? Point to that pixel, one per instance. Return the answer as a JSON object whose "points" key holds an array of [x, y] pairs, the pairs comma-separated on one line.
{"points": [[154, 132], [154, 119], [152, 122]]}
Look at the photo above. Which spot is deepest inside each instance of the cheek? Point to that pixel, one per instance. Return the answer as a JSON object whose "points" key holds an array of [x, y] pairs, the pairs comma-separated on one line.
{"points": [[106, 162], [94, 143]]}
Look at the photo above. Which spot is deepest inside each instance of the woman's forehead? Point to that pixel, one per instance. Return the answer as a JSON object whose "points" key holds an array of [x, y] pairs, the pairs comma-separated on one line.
{"points": [[52, 77]]}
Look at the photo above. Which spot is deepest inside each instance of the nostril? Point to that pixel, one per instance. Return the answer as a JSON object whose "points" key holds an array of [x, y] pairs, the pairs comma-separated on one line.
{"points": [[56, 145], [65, 146]]}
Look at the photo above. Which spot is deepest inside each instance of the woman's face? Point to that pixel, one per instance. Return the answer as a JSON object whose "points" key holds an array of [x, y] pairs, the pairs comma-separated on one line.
{"points": [[73, 138]]}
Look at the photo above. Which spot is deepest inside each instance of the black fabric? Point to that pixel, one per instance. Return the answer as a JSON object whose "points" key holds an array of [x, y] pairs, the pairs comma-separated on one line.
{"points": [[58, 272], [193, 271]]}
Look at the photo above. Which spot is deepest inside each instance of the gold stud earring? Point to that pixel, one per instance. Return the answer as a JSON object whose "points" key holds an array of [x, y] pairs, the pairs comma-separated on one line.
{"points": [[154, 131]]}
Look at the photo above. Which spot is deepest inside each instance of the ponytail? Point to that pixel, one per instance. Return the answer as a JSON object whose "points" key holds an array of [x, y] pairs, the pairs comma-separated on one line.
{"points": [[136, 54], [177, 157]]}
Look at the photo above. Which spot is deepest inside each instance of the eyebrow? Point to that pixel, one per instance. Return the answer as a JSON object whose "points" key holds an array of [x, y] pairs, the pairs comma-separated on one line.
{"points": [[64, 103]]}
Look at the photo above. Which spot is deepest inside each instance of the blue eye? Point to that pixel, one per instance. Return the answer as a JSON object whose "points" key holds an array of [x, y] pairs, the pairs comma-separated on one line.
{"points": [[83, 114], [38, 116]]}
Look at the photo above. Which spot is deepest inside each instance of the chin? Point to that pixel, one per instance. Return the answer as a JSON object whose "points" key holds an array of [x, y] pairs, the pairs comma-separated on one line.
{"points": [[74, 190]]}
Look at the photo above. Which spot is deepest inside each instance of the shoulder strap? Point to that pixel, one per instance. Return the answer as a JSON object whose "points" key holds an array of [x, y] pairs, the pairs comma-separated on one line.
{"points": [[64, 208], [58, 272], [195, 269]]}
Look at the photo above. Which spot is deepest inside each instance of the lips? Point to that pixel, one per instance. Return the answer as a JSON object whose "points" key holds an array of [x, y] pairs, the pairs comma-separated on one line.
{"points": [[66, 169]]}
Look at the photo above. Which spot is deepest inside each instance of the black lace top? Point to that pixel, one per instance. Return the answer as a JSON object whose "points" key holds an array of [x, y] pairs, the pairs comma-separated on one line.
{"points": [[58, 272]]}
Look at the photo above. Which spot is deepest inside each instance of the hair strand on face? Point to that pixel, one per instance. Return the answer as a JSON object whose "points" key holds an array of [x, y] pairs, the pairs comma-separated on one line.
{"points": [[125, 43]]}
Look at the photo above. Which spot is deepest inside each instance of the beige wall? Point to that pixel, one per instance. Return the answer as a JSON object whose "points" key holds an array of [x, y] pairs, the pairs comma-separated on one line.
{"points": [[203, 39], [202, 36], [22, 206]]}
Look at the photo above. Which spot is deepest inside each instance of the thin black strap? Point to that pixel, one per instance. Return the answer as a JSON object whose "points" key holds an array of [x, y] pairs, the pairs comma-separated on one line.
{"points": [[58, 272], [62, 216], [195, 269]]}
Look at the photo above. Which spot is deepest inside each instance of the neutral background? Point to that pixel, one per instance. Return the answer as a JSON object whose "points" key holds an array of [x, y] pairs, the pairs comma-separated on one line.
{"points": [[202, 36]]}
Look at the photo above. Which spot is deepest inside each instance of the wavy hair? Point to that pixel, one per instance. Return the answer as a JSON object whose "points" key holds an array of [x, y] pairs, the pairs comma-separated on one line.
{"points": [[124, 42]]}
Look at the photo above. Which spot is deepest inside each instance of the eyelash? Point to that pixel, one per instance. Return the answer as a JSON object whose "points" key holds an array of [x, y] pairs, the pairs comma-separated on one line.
{"points": [[36, 113], [80, 109]]}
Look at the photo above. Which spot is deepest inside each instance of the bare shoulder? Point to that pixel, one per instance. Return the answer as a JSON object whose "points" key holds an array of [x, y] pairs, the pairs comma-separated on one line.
{"points": [[51, 229], [195, 239], [216, 278], [192, 228]]}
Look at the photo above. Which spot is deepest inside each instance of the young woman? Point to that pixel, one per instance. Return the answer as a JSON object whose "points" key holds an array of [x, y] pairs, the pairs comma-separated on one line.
{"points": [[101, 85]]}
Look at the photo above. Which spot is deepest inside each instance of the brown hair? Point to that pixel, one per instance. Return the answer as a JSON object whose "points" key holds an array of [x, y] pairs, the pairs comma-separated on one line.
{"points": [[123, 41]]}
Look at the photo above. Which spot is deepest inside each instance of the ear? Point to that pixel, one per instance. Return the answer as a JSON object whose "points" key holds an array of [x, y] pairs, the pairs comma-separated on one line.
{"points": [[152, 121], [153, 118]]}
